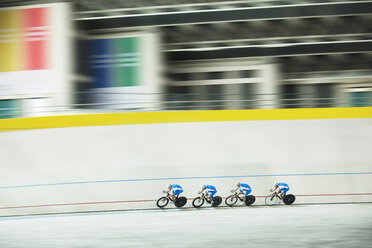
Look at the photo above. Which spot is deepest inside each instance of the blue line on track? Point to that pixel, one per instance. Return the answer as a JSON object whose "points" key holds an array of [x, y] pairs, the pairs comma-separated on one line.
{"points": [[182, 178]]}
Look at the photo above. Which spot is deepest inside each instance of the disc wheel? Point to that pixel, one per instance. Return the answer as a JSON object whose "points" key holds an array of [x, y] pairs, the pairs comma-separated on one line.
{"points": [[271, 200], [289, 199], [231, 200], [180, 202], [249, 200], [217, 200], [198, 202], [162, 202]]}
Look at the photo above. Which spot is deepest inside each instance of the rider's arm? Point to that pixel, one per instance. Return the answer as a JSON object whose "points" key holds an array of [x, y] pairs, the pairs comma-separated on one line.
{"points": [[167, 191], [232, 191], [200, 191], [272, 190]]}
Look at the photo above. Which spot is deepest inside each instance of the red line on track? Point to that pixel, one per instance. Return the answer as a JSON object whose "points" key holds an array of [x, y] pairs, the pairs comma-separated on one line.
{"points": [[326, 195], [336, 194], [72, 204], [112, 202]]}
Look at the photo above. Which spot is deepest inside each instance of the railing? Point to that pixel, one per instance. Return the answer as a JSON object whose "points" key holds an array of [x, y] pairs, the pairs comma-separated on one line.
{"points": [[156, 7], [87, 102]]}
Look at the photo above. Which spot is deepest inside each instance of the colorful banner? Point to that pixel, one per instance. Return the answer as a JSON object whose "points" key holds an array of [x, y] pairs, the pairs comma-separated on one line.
{"points": [[24, 39], [115, 62], [10, 40], [36, 32]]}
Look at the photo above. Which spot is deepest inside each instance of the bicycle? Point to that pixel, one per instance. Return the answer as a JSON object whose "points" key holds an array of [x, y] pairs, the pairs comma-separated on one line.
{"points": [[178, 201], [232, 199], [199, 201], [274, 198]]}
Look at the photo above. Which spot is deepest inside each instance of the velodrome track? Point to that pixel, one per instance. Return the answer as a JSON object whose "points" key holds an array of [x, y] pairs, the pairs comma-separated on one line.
{"points": [[327, 225], [150, 205], [62, 204]]}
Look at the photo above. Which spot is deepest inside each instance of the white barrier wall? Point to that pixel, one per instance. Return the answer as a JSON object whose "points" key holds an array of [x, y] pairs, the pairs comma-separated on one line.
{"points": [[101, 168]]}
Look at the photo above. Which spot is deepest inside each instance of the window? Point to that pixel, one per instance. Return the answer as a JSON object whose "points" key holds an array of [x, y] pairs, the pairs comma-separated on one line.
{"points": [[324, 95], [8, 108], [214, 75], [178, 97], [289, 96], [180, 76], [247, 74], [361, 98], [214, 96], [198, 76], [242, 74], [248, 96]]}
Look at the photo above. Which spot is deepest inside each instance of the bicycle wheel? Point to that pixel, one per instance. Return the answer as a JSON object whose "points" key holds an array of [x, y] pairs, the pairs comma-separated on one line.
{"points": [[216, 201], [289, 199], [271, 200], [198, 202], [249, 200], [180, 202], [162, 202], [231, 200]]}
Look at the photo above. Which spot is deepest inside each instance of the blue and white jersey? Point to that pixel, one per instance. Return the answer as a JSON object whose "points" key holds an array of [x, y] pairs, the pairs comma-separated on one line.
{"points": [[176, 189], [211, 190], [245, 187], [283, 187]]}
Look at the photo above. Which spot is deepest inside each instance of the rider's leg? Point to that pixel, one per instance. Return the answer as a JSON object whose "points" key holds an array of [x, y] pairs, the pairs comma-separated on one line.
{"points": [[173, 196], [210, 196], [206, 196], [280, 193], [243, 198], [284, 193]]}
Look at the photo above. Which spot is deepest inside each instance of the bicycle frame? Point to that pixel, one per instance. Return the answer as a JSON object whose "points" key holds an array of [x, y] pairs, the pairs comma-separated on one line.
{"points": [[277, 195], [203, 196], [238, 194], [170, 198]]}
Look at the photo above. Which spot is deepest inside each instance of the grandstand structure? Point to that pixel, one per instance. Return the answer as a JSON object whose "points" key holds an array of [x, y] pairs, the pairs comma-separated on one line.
{"points": [[242, 54]]}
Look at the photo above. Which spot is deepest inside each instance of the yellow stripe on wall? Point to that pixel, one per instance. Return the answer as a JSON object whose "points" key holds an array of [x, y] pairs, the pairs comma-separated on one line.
{"points": [[182, 116]]}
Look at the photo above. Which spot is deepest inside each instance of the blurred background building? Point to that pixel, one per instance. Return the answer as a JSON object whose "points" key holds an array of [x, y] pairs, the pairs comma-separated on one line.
{"points": [[151, 55]]}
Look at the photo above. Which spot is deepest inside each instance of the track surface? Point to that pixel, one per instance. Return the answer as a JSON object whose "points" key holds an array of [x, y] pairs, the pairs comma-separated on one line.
{"points": [[342, 225]]}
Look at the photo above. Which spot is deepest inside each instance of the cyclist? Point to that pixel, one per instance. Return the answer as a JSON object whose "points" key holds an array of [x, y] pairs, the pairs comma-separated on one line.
{"points": [[210, 191], [176, 190], [282, 189], [244, 188]]}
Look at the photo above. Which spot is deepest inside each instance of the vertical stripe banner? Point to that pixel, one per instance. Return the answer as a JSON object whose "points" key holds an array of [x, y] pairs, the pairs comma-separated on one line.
{"points": [[127, 62], [35, 38], [101, 63], [10, 41]]}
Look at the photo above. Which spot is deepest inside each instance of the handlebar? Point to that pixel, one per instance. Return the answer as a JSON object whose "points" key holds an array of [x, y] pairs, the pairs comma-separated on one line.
{"points": [[202, 194], [276, 193], [168, 194]]}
